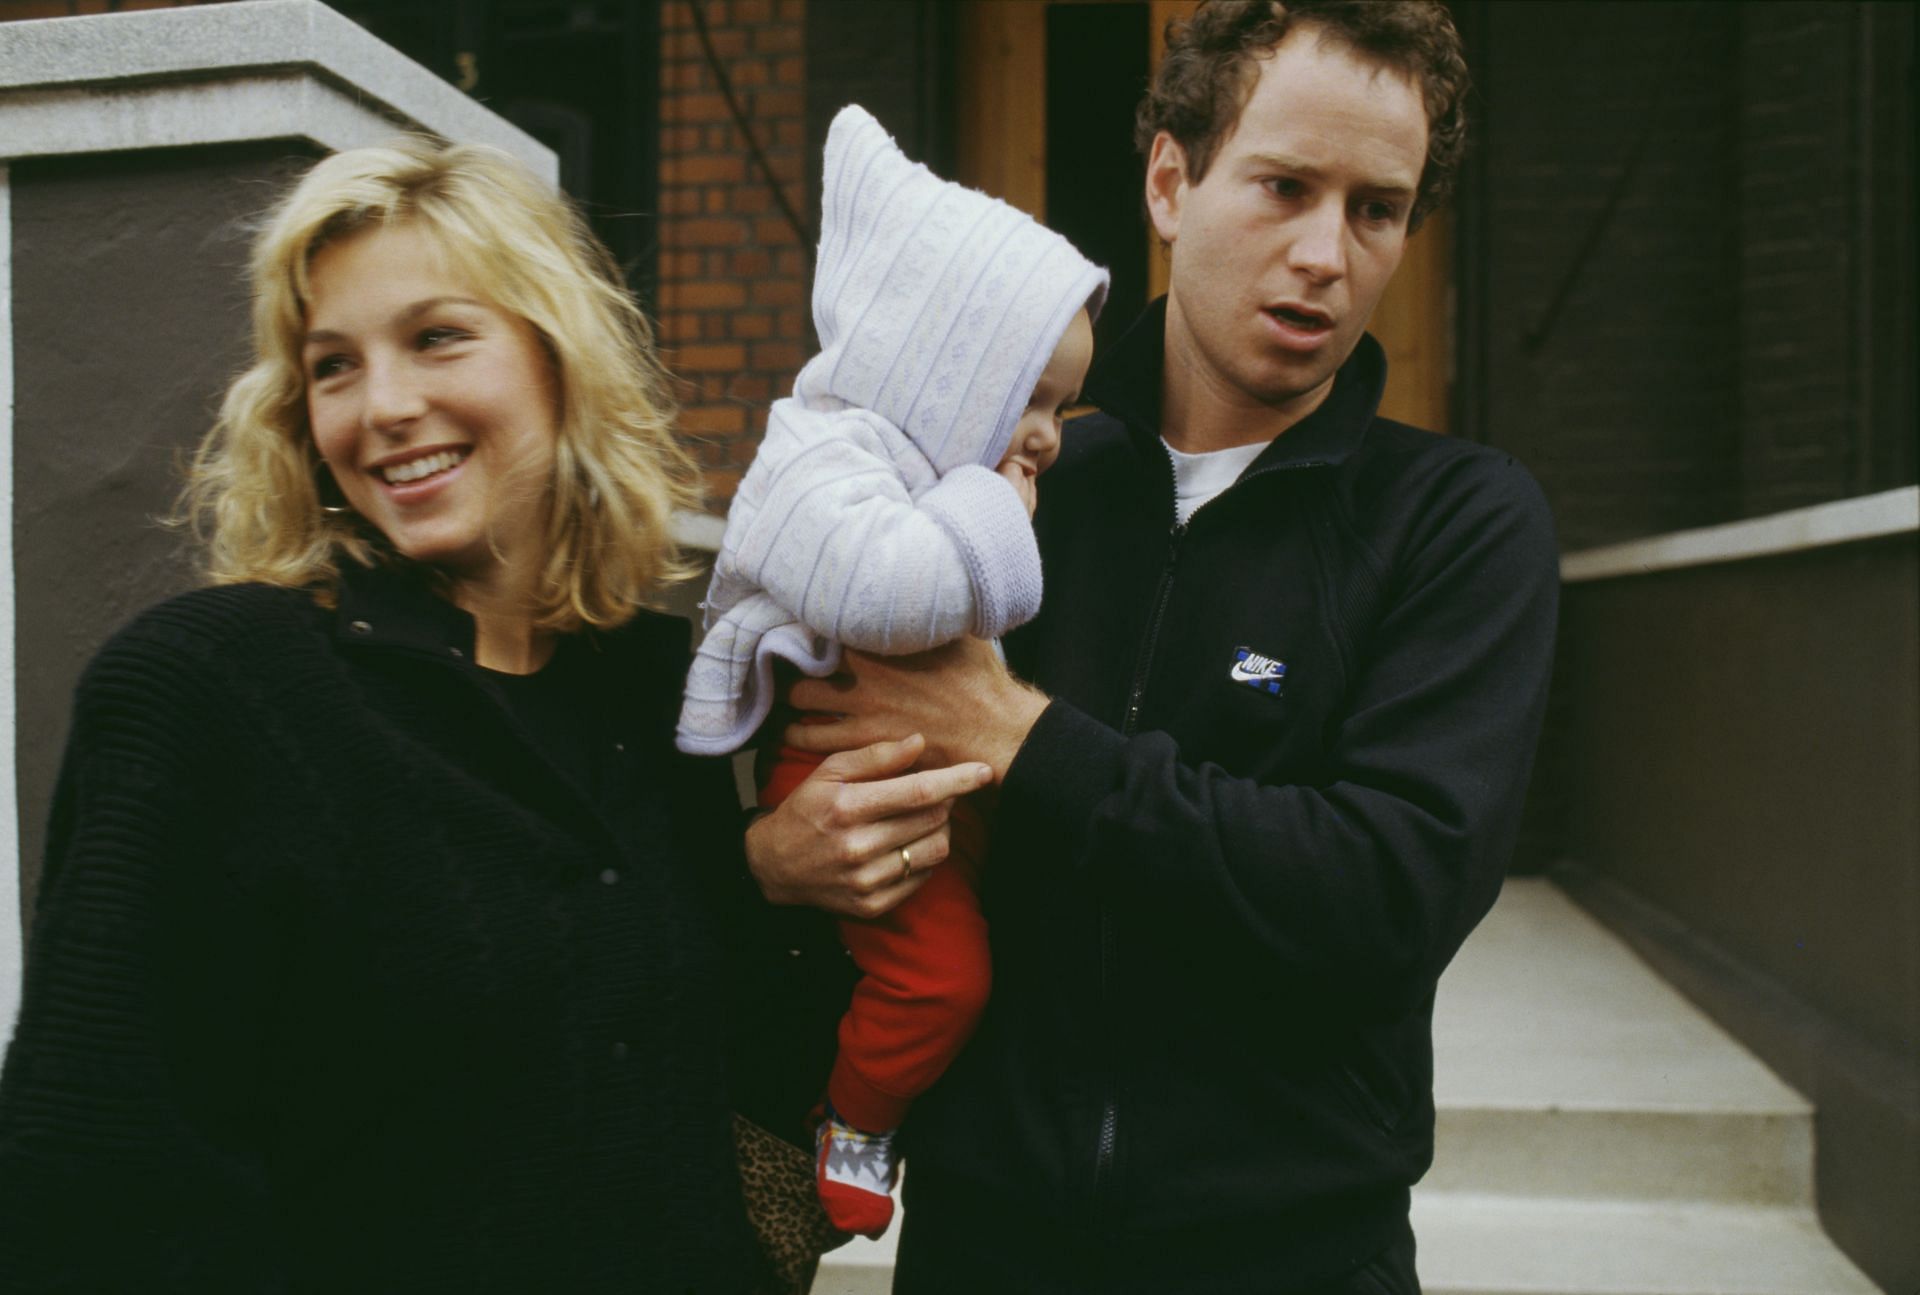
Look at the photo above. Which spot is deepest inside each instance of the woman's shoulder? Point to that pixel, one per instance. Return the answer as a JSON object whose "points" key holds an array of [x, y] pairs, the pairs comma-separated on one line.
{"points": [[213, 629]]}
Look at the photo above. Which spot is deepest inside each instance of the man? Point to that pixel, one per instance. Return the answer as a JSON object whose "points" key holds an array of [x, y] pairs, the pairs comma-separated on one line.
{"points": [[1287, 681]]}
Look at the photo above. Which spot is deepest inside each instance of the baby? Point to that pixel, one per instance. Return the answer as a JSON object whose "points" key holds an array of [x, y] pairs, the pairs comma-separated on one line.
{"points": [[889, 509]]}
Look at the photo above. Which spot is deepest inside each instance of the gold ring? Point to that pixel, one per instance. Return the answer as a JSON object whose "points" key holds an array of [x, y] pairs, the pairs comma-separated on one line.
{"points": [[906, 863]]}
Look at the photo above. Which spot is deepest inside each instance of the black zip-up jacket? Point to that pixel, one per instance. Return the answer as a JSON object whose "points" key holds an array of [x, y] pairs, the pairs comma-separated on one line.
{"points": [[1221, 892]]}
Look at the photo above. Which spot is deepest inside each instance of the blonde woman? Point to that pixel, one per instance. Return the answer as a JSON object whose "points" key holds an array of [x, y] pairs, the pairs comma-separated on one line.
{"points": [[381, 939]]}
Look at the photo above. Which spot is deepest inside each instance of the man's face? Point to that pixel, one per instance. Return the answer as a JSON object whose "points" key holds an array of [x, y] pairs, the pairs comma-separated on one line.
{"points": [[1282, 251]]}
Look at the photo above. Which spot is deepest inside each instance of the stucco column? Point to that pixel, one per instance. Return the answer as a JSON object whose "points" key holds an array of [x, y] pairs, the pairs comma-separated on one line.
{"points": [[132, 149]]}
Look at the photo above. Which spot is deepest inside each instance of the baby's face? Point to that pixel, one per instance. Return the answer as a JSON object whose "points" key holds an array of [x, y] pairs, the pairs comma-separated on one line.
{"points": [[1036, 437]]}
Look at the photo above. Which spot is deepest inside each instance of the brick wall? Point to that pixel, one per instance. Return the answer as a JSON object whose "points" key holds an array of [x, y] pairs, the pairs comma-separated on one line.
{"points": [[732, 272], [1622, 402], [1798, 250], [1724, 193]]}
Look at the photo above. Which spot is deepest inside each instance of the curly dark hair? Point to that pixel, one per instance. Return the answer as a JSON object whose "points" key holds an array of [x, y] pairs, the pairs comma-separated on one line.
{"points": [[1209, 72]]}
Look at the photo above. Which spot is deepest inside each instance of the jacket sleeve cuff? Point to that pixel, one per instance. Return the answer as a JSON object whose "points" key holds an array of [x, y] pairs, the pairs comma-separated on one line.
{"points": [[984, 515], [1068, 765]]}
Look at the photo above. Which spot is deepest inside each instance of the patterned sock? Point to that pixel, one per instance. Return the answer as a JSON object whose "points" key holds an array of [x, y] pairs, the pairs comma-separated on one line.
{"points": [[854, 1171]]}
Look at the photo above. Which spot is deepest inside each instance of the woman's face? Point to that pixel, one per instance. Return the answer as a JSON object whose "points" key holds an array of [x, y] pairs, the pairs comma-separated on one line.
{"points": [[435, 409]]}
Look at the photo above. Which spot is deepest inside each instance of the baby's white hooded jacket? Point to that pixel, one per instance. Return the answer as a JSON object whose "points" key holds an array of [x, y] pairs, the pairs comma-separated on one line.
{"points": [[872, 516]]}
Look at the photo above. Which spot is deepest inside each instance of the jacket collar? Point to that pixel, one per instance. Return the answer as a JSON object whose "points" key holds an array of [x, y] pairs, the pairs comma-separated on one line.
{"points": [[1127, 384], [396, 606], [390, 606]]}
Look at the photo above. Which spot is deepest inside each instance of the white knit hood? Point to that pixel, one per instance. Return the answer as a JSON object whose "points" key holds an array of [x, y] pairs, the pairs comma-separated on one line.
{"points": [[937, 306]]}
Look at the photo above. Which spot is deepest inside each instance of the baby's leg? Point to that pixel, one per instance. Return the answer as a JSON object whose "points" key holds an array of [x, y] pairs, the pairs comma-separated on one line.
{"points": [[925, 977]]}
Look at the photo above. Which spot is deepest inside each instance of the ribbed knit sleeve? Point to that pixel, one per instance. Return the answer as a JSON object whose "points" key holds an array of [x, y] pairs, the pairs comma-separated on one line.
{"points": [[842, 543], [838, 536], [128, 1104]]}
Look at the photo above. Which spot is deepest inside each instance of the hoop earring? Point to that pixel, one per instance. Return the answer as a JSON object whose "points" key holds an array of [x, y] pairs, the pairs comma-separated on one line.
{"points": [[333, 500]]}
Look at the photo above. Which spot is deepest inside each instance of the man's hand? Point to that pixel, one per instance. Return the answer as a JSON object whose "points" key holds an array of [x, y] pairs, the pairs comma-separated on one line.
{"points": [[836, 842], [959, 698]]}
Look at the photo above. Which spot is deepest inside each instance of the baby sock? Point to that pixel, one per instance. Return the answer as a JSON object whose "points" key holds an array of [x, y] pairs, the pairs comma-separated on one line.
{"points": [[854, 1171]]}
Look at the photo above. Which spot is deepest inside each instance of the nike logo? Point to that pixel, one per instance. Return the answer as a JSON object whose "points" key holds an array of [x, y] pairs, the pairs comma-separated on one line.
{"points": [[1258, 670]]}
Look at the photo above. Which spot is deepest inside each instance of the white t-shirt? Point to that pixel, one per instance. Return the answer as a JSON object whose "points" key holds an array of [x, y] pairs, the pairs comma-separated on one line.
{"points": [[1197, 478]]}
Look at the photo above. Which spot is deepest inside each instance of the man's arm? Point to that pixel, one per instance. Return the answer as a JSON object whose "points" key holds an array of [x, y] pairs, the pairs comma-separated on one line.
{"points": [[1366, 881]]}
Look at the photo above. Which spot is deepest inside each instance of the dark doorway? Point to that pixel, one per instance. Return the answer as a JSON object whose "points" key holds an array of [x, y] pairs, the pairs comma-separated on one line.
{"points": [[581, 76], [1096, 73]]}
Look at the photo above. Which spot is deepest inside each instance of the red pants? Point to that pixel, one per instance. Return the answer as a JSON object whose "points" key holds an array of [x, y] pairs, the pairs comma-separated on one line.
{"points": [[925, 973]]}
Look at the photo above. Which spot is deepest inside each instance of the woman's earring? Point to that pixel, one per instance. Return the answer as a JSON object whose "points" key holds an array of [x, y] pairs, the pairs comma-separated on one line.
{"points": [[333, 500]]}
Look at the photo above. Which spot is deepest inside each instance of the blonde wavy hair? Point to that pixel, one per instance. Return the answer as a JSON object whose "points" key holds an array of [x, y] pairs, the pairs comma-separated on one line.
{"points": [[253, 494]]}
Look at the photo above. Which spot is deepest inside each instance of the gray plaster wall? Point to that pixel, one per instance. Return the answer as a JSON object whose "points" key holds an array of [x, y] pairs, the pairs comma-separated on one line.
{"points": [[1742, 746], [129, 317]]}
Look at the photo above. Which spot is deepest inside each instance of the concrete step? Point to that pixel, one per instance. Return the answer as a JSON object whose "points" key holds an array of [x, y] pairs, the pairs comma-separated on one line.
{"points": [[1564, 1066], [1499, 1245]]}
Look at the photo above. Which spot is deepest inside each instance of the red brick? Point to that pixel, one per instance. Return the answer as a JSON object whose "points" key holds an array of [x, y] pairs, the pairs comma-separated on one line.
{"points": [[749, 200], [749, 13], [714, 201], [718, 13], [749, 73], [700, 106], [793, 11], [777, 357], [680, 265], [704, 295], [788, 263], [780, 39], [720, 139], [776, 292], [704, 168], [679, 139], [704, 231], [728, 43], [749, 326], [678, 325], [679, 202], [750, 263], [790, 133], [708, 357], [777, 103], [751, 387], [772, 231], [723, 419], [791, 323], [684, 74], [786, 168]]}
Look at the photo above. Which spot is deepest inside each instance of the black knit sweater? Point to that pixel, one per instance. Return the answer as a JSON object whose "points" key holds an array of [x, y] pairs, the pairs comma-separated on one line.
{"points": [[337, 984]]}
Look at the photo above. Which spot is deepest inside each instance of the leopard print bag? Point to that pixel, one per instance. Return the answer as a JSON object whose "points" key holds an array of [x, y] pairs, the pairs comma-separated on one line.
{"points": [[776, 1178]]}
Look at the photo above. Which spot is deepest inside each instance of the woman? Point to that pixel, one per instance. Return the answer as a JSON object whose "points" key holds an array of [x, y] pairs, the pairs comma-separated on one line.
{"points": [[379, 946]]}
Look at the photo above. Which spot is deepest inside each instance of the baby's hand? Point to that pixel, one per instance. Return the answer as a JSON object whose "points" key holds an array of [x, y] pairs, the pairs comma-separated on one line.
{"points": [[1023, 479]]}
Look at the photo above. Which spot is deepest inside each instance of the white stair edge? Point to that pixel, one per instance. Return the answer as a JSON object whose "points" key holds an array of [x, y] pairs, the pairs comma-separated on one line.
{"points": [[1474, 1244]]}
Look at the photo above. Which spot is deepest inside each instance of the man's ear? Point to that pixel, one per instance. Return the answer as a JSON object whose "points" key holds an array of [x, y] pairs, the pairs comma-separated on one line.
{"points": [[1166, 185]]}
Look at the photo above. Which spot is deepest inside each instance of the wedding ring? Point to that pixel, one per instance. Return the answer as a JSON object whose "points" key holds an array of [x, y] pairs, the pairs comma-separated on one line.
{"points": [[906, 863]]}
